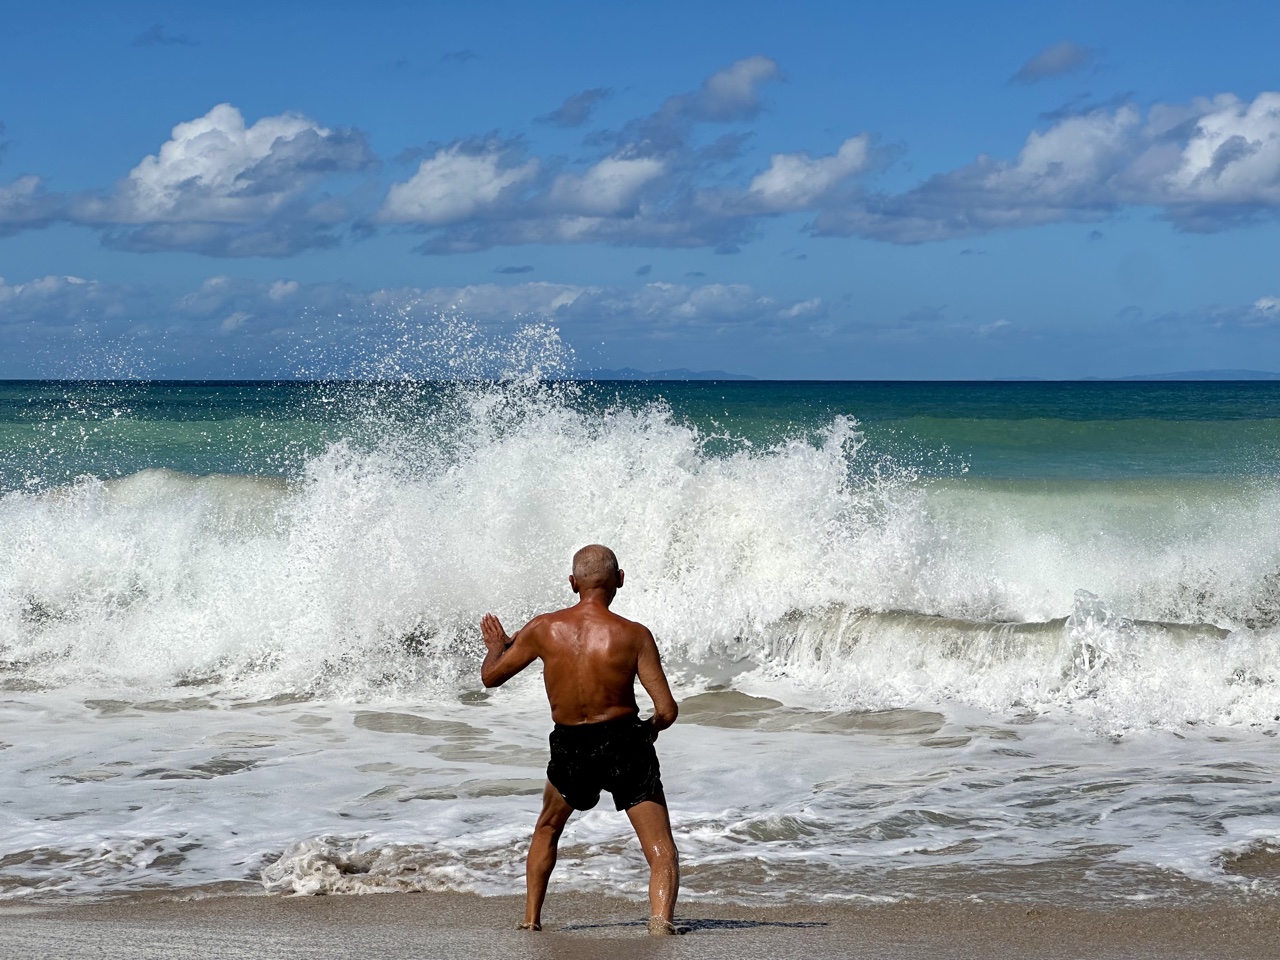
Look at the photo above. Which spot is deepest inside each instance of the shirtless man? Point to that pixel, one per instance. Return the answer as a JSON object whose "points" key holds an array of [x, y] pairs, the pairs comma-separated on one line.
{"points": [[591, 658]]}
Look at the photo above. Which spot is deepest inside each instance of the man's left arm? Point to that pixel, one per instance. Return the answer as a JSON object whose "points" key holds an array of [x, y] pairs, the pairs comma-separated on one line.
{"points": [[654, 680], [506, 656]]}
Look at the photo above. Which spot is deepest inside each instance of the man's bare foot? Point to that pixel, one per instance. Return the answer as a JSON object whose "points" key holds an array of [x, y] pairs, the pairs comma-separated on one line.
{"points": [[661, 927], [536, 927]]}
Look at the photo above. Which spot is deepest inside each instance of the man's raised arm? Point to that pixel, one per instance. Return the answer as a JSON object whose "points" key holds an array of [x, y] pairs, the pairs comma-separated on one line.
{"points": [[506, 656], [654, 681]]}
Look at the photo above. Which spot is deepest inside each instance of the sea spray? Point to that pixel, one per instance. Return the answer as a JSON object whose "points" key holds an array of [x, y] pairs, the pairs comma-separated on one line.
{"points": [[357, 565]]}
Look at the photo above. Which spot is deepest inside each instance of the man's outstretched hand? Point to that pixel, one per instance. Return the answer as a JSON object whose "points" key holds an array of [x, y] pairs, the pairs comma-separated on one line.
{"points": [[495, 638]]}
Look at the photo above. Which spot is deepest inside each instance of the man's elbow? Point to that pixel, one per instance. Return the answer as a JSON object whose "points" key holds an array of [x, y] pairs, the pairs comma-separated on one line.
{"points": [[491, 680]]}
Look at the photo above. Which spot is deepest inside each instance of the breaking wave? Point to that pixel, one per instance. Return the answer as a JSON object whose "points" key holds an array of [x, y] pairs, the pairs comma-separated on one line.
{"points": [[810, 567]]}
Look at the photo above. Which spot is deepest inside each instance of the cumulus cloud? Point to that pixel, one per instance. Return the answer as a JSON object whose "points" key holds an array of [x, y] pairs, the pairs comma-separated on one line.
{"points": [[1227, 170], [653, 309], [729, 94], [1263, 314], [1053, 61], [226, 188], [645, 190], [223, 305], [1207, 166], [25, 204], [457, 183], [576, 109], [795, 181], [665, 306], [54, 301], [229, 303], [608, 188]]}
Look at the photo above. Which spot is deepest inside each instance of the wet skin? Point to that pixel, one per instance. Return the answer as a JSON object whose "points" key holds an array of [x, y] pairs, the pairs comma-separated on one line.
{"points": [[591, 658]]}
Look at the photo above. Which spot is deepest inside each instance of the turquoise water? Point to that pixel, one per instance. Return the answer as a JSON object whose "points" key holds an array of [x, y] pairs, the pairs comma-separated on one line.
{"points": [[53, 432]]}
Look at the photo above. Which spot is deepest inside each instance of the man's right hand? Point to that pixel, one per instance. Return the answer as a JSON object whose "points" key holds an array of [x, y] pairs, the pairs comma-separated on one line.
{"points": [[495, 638]]}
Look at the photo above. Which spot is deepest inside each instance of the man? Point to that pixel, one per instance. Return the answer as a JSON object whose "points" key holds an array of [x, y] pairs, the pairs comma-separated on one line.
{"points": [[591, 658]]}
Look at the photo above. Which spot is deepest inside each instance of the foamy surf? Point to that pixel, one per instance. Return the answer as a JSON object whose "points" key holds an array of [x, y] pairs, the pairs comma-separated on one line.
{"points": [[893, 684], [366, 572]]}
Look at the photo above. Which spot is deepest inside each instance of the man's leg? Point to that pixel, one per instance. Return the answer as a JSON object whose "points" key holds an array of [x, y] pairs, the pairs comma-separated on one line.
{"points": [[653, 827], [542, 854]]}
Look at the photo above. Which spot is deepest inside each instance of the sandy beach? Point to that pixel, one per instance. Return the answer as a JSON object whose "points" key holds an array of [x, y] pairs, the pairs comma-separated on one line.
{"points": [[451, 925]]}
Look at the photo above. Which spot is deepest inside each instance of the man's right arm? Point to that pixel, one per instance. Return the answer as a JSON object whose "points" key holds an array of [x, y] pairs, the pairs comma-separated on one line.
{"points": [[506, 656], [654, 680]]}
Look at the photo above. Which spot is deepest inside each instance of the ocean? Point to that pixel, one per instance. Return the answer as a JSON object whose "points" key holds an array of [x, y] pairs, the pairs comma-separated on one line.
{"points": [[1010, 641]]}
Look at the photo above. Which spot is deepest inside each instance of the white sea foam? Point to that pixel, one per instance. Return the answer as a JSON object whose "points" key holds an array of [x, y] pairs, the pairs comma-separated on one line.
{"points": [[791, 565], [768, 802]]}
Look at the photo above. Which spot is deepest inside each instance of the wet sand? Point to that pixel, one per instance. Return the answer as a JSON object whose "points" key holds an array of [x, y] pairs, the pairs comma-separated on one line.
{"points": [[459, 926]]}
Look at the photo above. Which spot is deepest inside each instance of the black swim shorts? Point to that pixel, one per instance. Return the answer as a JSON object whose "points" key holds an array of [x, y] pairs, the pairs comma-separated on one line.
{"points": [[616, 755]]}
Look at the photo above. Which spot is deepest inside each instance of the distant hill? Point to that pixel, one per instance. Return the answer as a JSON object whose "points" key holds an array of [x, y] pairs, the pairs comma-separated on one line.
{"points": [[1178, 375], [630, 373], [1209, 375]]}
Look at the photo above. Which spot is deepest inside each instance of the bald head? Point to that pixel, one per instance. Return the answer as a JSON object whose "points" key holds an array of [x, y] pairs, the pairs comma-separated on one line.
{"points": [[595, 566]]}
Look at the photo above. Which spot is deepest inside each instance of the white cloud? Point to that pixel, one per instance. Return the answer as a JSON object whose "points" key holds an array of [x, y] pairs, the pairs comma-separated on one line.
{"points": [[487, 301], [223, 187], [55, 301], [228, 303], [663, 307], [1233, 156], [456, 184], [606, 189], [730, 95], [1207, 165], [648, 190], [281, 289], [1262, 315], [217, 169], [651, 307], [234, 321], [25, 204], [1074, 155], [734, 92], [794, 181]]}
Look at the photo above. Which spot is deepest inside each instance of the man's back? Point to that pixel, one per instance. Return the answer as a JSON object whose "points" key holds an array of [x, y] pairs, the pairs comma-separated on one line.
{"points": [[590, 658]]}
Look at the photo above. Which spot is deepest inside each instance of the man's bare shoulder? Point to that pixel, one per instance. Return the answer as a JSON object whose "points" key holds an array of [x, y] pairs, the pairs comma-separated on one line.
{"points": [[635, 631], [634, 625], [576, 615], [540, 623]]}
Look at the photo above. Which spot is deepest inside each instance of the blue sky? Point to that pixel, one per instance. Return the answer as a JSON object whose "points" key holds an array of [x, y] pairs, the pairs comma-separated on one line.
{"points": [[818, 190]]}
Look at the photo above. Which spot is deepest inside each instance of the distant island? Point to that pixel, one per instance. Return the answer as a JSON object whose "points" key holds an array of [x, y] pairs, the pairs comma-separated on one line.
{"points": [[1209, 375], [1201, 375], [630, 373], [1178, 375]]}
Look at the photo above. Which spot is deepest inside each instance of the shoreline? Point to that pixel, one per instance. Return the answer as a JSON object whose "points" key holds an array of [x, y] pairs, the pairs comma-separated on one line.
{"points": [[462, 925]]}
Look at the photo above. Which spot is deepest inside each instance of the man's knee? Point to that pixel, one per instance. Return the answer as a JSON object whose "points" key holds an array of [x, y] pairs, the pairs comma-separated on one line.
{"points": [[662, 853], [548, 828]]}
